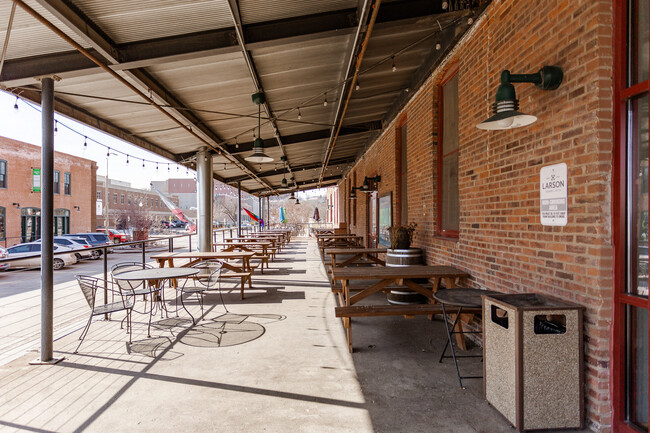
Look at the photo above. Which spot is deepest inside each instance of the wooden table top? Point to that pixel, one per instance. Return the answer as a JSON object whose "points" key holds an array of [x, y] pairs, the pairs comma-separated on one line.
{"points": [[355, 250], [156, 274], [409, 272], [339, 236], [241, 244], [204, 255]]}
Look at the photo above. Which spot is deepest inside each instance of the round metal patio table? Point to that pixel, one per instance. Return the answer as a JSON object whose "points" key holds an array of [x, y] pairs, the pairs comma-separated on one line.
{"points": [[159, 275]]}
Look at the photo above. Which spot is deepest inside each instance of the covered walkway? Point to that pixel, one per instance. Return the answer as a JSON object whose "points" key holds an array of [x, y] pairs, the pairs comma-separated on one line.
{"points": [[277, 361]]}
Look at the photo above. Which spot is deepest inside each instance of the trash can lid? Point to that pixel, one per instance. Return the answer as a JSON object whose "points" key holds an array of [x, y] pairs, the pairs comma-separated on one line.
{"points": [[533, 301]]}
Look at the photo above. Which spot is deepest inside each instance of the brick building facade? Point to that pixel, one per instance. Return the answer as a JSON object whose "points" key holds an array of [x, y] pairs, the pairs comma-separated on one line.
{"points": [[500, 240], [74, 193], [126, 202]]}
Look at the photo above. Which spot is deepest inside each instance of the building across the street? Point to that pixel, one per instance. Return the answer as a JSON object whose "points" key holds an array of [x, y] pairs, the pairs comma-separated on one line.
{"points": [[125, 204], [20, 196]]}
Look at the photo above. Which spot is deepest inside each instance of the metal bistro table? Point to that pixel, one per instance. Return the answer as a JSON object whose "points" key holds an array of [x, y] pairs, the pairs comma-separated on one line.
{"points": [[461, 298], [158, 276]]}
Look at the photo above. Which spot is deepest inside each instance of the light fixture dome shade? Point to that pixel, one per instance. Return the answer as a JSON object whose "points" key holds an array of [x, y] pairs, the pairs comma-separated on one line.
{"points": [[507, 120], [284, 183], [258, 152]]}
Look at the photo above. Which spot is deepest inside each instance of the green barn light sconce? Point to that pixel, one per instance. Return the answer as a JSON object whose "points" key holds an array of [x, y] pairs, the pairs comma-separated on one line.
{"points": [[258, 145], [506, 105], [16, 204], [370, 184]]}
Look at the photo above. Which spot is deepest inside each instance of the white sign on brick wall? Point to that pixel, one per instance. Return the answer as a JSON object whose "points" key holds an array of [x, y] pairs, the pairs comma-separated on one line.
{"points": [[553, 204], [99, 209]]}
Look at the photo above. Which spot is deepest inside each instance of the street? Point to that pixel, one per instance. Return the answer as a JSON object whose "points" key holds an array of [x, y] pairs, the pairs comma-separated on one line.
{"points": [[20, 299]]}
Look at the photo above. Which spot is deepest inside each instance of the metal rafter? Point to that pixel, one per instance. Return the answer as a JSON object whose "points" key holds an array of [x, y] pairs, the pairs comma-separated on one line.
{"points": [[144, 53], [234, 13], [304, 137], [297, 168], [83, 26], [330, 180]]}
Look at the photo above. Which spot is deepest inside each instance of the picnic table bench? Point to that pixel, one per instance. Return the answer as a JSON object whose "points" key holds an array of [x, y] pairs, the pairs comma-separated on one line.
{"points": [[387, 276], [243, 272]]}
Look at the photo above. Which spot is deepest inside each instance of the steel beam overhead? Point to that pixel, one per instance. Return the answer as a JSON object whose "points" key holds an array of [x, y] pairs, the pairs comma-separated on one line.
{"points": [[296, 168], [146, 53], [306, 137]]}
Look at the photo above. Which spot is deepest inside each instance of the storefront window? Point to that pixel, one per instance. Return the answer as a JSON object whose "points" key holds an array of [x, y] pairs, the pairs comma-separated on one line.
{"points": [[449, 205]]}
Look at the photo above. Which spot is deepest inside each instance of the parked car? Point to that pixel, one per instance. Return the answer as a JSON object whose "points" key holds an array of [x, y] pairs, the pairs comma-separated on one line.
{"points": [[79, 246], [95, 240], [115, 236], [31, 251], [4, 255]]}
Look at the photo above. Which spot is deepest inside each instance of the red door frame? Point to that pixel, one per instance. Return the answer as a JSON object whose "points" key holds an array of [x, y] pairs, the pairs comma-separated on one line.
{"points": [[619, 211]]}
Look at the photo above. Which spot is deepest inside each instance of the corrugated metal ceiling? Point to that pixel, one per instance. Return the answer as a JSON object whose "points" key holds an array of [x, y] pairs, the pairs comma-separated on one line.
{"points": [[185, 54]]}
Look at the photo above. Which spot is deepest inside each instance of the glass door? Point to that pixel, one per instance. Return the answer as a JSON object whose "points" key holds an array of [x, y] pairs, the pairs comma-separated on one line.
{"points": [[632, 115], [30, 224], [373, 220]]}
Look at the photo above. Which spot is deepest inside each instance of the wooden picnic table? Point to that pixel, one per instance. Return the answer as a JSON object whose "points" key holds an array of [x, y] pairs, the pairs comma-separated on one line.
{"points": [[278, 238], [334, 241], [244, 272], [248, 247], [359, 256], [401, 276]]}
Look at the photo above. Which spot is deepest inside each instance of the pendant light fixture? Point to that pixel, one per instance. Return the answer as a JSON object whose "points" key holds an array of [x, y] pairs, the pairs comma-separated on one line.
{"points": [[506, 105], [297, 201], [258, 145], [292, 196]]}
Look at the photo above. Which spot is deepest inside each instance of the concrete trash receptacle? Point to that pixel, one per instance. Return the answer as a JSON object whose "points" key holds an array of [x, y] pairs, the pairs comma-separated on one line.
{"points": [[533, 360]]}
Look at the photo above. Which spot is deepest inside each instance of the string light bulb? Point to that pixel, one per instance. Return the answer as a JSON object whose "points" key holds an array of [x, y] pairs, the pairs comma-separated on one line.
{"points": [[156, 166], [445, 5], [127, 159], [358, 86], [438, 46], [299, 114], [143, 163], [394, 67], [325, 101], [16, 104], [85, 142], [56, 126], [108, 152]]}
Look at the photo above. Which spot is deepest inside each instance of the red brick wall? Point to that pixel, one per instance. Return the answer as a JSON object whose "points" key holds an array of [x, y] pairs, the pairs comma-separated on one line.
{"points": [[21, 158], [502, 243]]}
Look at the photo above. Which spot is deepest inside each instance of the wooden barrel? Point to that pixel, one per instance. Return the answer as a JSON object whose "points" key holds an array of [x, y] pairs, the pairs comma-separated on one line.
{"points": [[398, 258], [410, 257]]}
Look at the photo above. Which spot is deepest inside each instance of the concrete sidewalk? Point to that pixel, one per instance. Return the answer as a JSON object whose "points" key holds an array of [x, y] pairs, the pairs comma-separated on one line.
{"points": [[276, 362]]}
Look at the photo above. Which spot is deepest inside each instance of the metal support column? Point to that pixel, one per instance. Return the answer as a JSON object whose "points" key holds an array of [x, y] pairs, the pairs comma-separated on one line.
{"points": [[238, 209], [47, 224], [260, 210], [204, 193], [268, 210]]}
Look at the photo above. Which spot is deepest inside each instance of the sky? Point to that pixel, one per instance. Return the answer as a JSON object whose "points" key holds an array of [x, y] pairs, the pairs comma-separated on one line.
{"points": [[24, 124]]}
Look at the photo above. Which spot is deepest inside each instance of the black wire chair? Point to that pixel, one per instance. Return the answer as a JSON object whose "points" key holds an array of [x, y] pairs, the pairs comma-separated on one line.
{"points": [[89, 286], [208, 279]]}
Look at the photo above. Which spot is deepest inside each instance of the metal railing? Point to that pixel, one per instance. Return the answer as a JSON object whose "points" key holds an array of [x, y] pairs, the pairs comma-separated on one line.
{"points": [[301, 229]]}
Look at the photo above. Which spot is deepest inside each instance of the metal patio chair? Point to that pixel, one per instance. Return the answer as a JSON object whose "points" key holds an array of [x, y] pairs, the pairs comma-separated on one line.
{"points": [[208, 279], [89, 286]]}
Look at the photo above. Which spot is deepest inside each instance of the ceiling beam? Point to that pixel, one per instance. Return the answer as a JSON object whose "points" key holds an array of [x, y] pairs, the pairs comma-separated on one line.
{"points": [[296, 168], [306, 137], [139, 54], [310, 184], [85, 28]]}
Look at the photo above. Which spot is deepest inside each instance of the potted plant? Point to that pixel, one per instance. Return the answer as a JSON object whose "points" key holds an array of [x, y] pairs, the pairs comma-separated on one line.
{"points": [[401, 236]]}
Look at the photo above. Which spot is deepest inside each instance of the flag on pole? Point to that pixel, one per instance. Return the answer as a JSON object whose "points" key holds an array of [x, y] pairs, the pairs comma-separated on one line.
{"points": [[283, 216], [254, 217], [175, 210]]}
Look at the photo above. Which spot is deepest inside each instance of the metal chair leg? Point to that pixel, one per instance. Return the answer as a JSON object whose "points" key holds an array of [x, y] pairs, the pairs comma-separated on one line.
{"points": [[83, 333], [450, 343]]}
